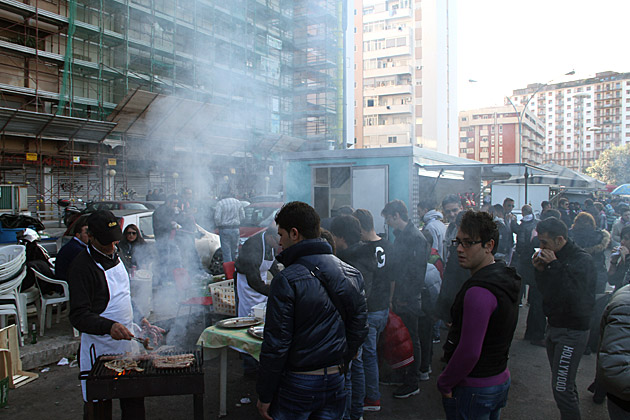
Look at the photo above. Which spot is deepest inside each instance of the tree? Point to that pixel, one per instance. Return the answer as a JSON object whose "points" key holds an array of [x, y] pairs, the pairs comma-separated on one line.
{"points": [[612, 166]]}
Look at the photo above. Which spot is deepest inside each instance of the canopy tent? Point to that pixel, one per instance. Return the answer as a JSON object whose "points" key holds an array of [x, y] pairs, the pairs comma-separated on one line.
{"points": [[557, 176]]}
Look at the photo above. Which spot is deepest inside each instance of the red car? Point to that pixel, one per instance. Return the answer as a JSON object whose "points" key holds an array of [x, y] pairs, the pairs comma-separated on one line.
{"points": [[257, 217]]}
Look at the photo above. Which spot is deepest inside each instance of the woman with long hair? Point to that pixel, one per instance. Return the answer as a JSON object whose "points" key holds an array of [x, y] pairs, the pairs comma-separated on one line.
{"points": [[133, 248]]}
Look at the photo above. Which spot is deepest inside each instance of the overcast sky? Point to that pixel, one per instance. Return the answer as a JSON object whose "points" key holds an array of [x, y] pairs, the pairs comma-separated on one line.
{"points": [[507, 44]]}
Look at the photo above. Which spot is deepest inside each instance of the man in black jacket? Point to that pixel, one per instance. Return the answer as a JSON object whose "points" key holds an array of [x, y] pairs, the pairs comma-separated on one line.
{"points": [[566, 277], [346, 231], [315, 323], [410, 255]]}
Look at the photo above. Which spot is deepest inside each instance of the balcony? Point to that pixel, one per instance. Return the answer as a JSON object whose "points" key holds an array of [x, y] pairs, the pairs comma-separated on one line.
{"points": [[386, 15], [387, 71], [388, 129], [388, 90], [388, 52], [388, 109]]}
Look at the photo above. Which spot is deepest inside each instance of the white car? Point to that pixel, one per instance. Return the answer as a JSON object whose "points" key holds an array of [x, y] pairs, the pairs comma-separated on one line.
{"points": [[208, 244]]}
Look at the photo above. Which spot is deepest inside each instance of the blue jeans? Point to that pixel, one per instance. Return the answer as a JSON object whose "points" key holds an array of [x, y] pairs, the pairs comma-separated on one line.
{"points": [[470, 403], [313, 397], [229, 243], [377, 321], [355, 388]]}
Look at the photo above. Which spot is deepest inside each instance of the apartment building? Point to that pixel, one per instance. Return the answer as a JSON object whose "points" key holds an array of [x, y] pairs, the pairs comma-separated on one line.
{"points": [[405, 74], [491, 135], [582, 117], [100, 97]]}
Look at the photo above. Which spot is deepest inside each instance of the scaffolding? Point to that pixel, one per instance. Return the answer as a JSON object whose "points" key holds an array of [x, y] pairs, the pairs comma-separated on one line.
{"points": [[280, 60]]}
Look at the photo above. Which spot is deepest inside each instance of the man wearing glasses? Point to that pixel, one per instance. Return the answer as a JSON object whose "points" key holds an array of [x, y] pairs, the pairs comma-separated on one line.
{"points": [[565, 276], [476, 380]]}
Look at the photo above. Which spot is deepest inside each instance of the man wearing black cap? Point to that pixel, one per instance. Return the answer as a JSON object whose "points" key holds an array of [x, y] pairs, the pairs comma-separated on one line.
{"points": [[100, 303]]}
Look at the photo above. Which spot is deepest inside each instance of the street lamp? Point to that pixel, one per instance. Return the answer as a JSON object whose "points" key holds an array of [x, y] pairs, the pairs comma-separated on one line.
{"points": [[521, 114]]}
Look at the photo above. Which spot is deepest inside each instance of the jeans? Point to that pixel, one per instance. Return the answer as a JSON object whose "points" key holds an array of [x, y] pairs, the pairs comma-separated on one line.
{"points": [[471, 403], [376, 321], [564, 351], [313, 397], [355, 388], [229, 243]]}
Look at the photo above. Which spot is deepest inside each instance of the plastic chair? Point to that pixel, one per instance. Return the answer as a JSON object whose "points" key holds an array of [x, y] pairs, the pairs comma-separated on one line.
{"points": [[49, 300], [10, 295], [229, 268]]}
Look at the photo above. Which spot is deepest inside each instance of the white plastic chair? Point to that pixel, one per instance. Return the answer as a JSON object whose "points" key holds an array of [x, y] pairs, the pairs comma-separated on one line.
{"points": [[49, 300], [9, 291]]}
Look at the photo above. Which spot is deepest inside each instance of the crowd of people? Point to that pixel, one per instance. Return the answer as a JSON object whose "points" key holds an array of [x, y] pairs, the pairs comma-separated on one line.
{"points": [[462, 274]]}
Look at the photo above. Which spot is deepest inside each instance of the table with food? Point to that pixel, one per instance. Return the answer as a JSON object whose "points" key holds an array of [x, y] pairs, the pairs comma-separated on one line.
{"points": [[241, 333]]}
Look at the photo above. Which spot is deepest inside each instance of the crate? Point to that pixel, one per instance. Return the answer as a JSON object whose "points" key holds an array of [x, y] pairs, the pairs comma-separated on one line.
{"points": [[223, 297]]}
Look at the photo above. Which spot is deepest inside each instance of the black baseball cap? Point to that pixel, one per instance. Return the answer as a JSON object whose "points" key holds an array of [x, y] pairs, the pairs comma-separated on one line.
{"points": [[104, 226]]}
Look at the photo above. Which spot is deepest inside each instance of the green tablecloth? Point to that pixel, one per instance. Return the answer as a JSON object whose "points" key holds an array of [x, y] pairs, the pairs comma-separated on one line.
{"points": [[217, 338]]}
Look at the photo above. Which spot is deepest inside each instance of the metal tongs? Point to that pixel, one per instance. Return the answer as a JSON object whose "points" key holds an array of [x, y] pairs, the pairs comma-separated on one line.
{"points": [[144, 342]]}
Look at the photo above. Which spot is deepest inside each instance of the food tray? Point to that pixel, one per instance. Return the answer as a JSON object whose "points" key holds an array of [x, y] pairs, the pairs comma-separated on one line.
{"points": [[223, 297], [257, 331], [239, 322]]}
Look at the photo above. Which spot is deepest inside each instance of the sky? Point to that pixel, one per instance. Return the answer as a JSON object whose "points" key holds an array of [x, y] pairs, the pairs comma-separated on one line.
{"points": [[508, 44]]}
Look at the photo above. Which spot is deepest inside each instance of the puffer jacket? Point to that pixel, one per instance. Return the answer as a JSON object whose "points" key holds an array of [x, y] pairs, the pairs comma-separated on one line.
{"points": [[303, 329], [613, 369]]}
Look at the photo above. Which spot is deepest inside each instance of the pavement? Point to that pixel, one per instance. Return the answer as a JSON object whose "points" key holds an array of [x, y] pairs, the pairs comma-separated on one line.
{"points": [[58, 394]]}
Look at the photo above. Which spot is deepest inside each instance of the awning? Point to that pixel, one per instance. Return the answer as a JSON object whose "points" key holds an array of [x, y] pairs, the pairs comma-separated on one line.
{"points": [[192, 126], [23, 123]]}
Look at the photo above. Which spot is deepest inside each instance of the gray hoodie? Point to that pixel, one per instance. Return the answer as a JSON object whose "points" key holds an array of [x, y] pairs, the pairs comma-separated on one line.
{"points": [[434, 225]]}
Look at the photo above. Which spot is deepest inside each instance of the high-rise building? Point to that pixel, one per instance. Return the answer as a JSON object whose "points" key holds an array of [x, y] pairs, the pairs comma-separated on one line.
{"points": [[202, 80], [491, 135], [582, 117], [405, 74]]}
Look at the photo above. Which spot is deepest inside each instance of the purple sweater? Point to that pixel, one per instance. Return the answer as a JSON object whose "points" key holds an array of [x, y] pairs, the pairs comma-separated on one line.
{"points": [[479, 304]]}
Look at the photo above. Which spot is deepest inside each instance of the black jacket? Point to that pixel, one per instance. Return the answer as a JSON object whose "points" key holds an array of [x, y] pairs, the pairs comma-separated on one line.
{"points": [[89, 293], [410, 255], [361, 256], [505, 285], [567, 286], [454, 278], [303, 329], [249, 259]]}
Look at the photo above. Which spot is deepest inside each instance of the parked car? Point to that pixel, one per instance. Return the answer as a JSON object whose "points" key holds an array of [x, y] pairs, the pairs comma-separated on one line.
{"points": [[258, 216], [115, 205], [207, 244]]}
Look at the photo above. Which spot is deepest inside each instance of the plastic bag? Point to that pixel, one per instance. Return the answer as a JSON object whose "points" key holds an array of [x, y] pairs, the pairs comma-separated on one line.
{"points": [[395, 345]]}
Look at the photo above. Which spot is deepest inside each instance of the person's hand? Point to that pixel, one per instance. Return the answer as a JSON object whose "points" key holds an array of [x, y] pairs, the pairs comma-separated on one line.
{"points": [[120, 332], [547, 256], [449, 395], [154, 332], [537, 262], [263, 409]]}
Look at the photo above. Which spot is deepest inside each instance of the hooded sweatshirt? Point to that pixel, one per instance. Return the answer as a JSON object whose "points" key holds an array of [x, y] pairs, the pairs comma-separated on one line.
{"points": [[434, 225]]}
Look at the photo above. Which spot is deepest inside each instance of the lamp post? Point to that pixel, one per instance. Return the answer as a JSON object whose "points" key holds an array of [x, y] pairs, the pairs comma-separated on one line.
{"points": [[521, 114]]}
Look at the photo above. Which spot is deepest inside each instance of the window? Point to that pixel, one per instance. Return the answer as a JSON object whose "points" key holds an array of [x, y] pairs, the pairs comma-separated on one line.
{"points": [[370, 102], [500, 128], [392, 139], [331, 186]]}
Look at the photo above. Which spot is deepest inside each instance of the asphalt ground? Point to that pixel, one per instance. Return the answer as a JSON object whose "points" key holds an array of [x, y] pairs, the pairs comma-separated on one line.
{"points": [[57, 394]]}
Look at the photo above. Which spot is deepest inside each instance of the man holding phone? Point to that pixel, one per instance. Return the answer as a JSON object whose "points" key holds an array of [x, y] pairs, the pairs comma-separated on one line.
{"points": [[565, 276]]}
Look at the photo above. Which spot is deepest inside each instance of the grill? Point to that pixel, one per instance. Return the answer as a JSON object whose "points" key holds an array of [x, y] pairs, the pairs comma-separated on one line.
{"points": [[103, 383]]}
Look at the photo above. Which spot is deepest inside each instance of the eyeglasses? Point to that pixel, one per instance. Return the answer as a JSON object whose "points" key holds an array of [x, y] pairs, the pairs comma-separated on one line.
{"points": [[131, 232], [465, 243]]}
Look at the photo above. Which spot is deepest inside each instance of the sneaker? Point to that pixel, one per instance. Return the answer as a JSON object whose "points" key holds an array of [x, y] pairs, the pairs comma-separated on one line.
{"points": [[406, 391], [393, 379], [369, 405], [436, 340], [424, 376]]}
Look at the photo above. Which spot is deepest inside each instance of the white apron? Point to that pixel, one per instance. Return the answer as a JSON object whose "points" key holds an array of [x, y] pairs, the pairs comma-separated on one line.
{"points": [[248, 297], [118, 309]]}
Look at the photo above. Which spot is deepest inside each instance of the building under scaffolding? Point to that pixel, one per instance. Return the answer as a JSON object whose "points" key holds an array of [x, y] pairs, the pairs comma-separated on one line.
{"points": [[100, 98]]}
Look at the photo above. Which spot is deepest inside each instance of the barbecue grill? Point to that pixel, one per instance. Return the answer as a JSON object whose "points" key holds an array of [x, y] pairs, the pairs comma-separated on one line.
{"points": [[103, 383]]}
